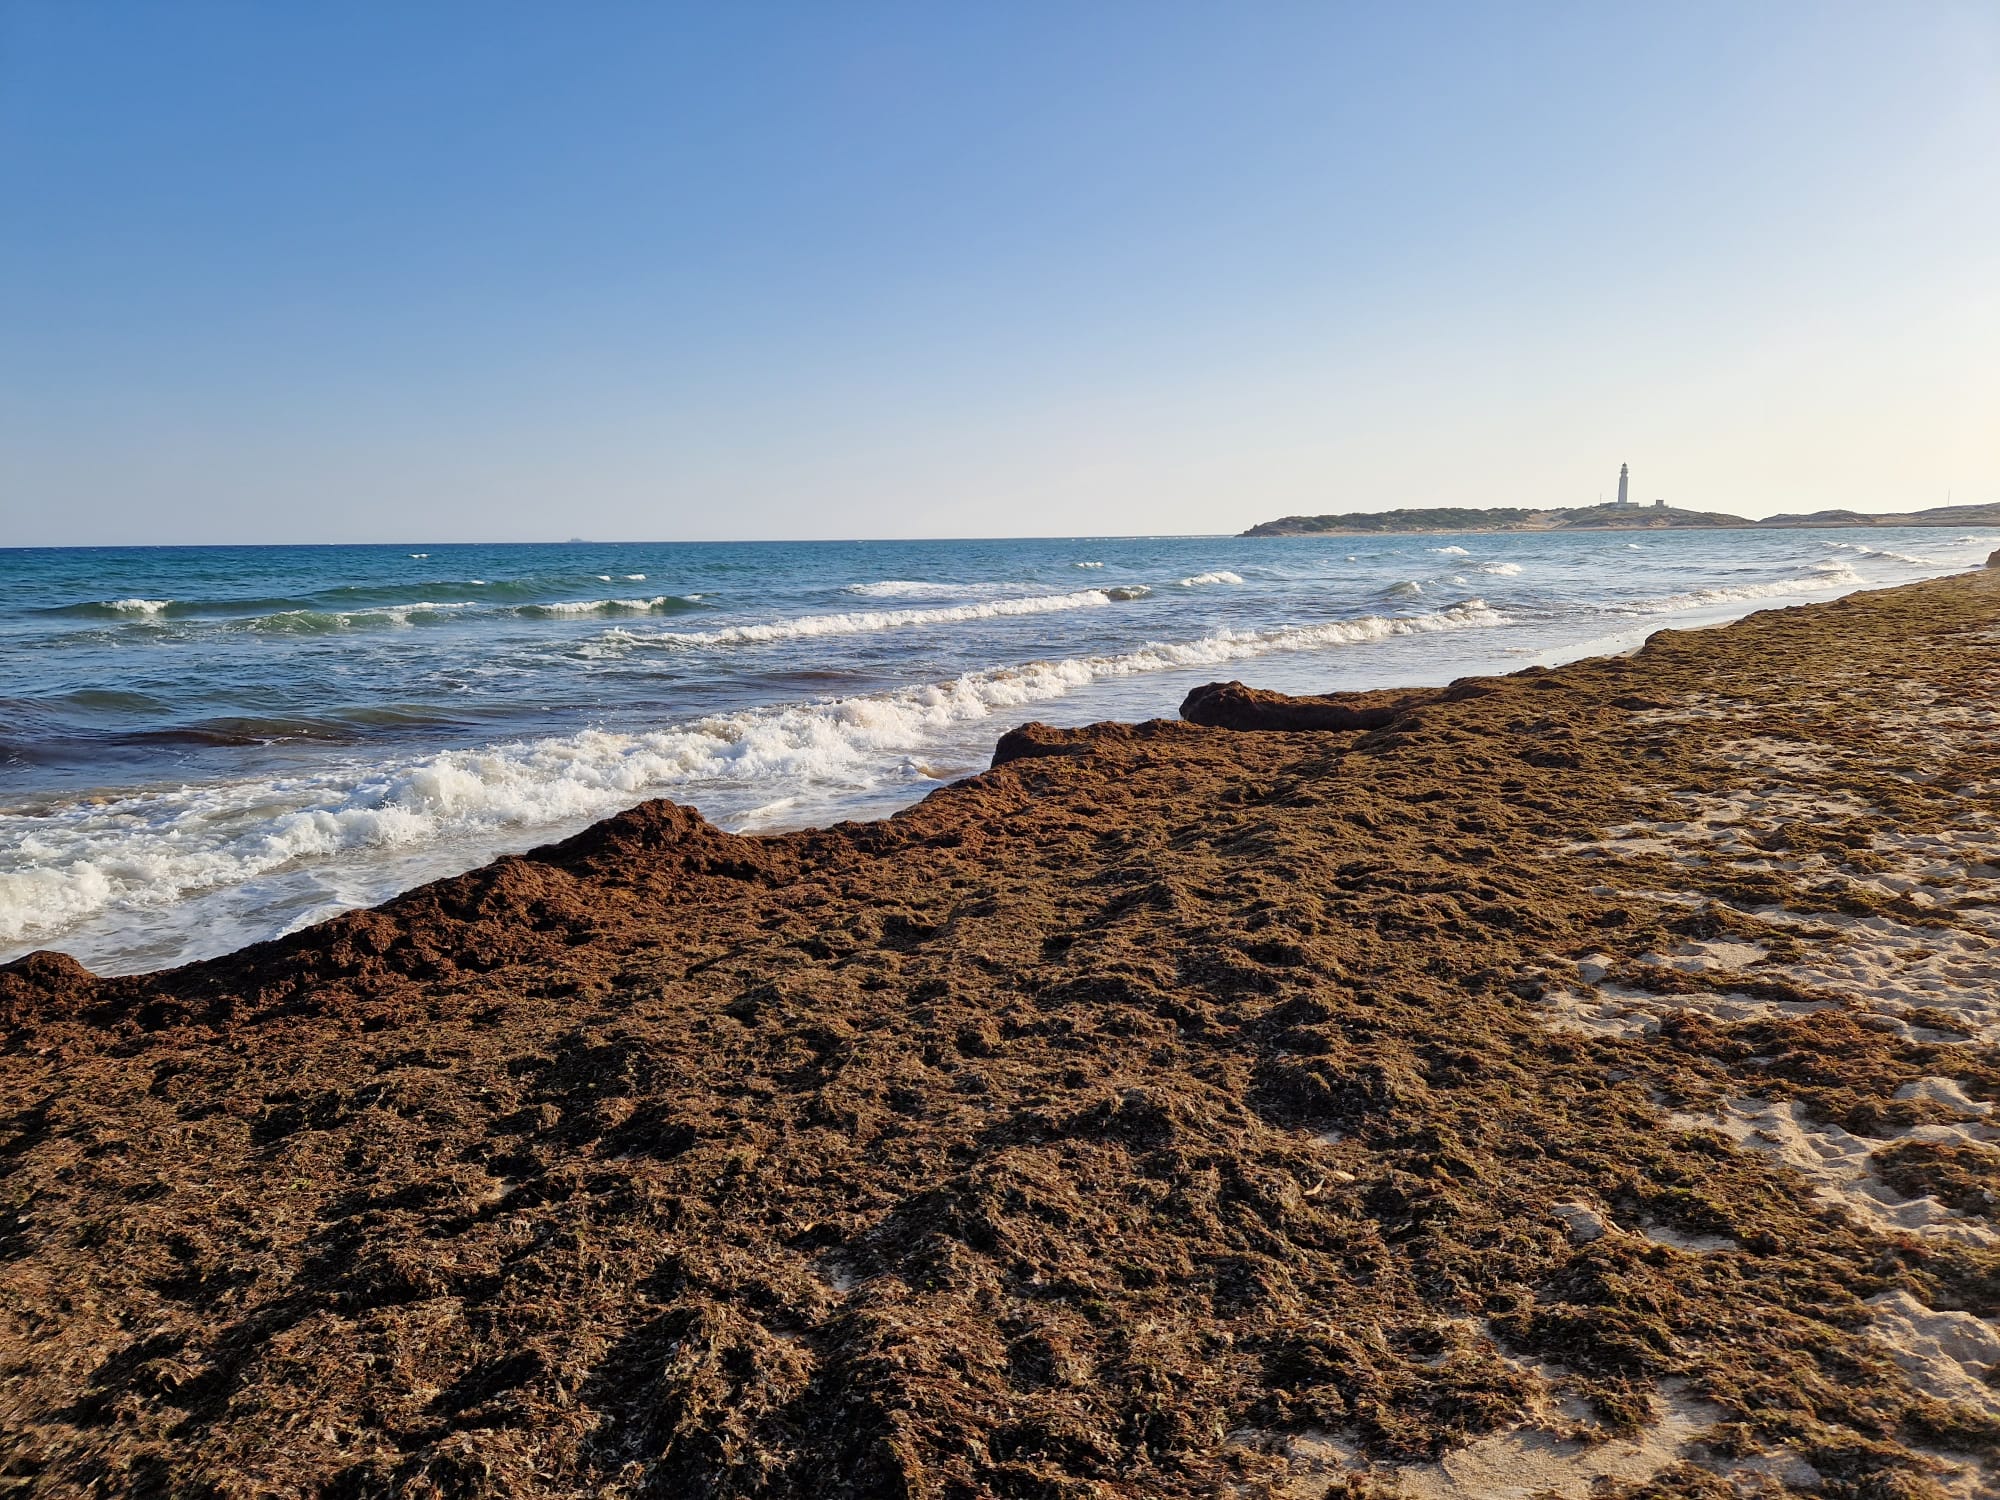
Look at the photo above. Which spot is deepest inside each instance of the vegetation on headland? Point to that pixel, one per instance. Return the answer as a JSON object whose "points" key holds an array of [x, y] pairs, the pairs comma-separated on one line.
{"points": [[1605, 518]]}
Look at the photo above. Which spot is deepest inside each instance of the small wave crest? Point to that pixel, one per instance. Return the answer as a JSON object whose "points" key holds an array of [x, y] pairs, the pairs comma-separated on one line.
{"points": [[1828, 574], [1887, 554], [1498, 569], [113, 609], [328, 622], [1449, 551], [1220, 575], [861, 622], [917, 588], [661, 604]]}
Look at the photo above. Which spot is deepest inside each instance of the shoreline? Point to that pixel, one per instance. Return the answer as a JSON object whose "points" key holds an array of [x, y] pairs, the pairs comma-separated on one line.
{"points": [[150, 832], [1570, 1076]]}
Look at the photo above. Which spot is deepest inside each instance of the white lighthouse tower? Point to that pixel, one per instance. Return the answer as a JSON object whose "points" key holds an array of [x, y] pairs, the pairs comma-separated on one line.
{"points": [[1624, 482]]}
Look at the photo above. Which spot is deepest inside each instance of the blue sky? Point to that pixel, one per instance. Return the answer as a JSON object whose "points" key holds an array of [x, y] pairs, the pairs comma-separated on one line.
{"points": [[492, 271]]}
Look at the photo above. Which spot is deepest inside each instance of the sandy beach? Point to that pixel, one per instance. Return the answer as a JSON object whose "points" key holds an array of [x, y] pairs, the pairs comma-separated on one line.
{"points": [[1579, 1082]]}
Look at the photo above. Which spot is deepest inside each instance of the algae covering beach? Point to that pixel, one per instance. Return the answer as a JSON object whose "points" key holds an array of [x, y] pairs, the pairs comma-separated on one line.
{"points": [[1573, 1082]]}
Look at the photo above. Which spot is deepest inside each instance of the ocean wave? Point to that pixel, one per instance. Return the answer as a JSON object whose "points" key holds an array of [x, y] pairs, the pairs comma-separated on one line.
{"points": [[861, 622], [341, 598], [1829, 574], [1087, 565], [1499, 569], [661, 604], [1449, 551], [150, 850], [917, 588], [328, 622], [1884, 552], [112, 609], [1220, 575], [351, 608]]}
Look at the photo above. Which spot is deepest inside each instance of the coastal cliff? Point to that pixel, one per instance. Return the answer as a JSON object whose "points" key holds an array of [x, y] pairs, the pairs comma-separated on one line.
{"points": [[1575, 1078]]}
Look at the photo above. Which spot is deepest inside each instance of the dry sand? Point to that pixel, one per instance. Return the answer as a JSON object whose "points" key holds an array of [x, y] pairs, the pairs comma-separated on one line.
{"points": [[1577, 1083]]}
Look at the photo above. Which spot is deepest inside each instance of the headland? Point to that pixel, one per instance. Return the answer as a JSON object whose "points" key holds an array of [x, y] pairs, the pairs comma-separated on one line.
{"points": [[1573, 1082], [1658, 516]]}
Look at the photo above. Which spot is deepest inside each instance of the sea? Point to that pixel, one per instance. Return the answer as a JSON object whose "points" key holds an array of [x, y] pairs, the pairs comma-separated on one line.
{"points": [[202, 747]]}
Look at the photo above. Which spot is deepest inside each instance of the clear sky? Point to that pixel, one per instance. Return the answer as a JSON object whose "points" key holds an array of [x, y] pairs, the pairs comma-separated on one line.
{"points": [[436, 271]]}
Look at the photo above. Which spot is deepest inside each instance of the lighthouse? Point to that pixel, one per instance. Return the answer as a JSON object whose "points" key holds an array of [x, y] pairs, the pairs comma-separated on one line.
{"points": [[1624, 481]]}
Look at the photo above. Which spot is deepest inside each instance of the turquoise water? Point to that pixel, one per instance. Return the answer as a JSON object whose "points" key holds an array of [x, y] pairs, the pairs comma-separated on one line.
{"points": [[200, 747]]}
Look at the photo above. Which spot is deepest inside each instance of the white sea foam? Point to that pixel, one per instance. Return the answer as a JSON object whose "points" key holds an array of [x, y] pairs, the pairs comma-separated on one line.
{"points": [[1087, 565], [327, 621], [861, 622], [1498, 569], [1901, 557], [1449, 551], [139, 606], [635, 577], [1220, 575], [71, 862], [1820, 576], [568, 607], [916, 588]]}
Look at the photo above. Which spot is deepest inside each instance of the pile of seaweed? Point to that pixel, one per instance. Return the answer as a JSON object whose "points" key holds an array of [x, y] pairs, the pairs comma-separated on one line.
{"points": [[1089, 1129]]}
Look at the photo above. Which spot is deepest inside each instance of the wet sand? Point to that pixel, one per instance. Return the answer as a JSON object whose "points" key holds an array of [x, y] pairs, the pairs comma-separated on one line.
{"points": [[1579, 1082]]}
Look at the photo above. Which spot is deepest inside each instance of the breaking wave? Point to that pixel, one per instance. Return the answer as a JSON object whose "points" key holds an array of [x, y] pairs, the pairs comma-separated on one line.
{"points": [[150, 850], [1819, 576], [661, 604], [326, 622], [860, 622], [914, 588], [1221, 575], [1884, 552], [113, 609]]}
